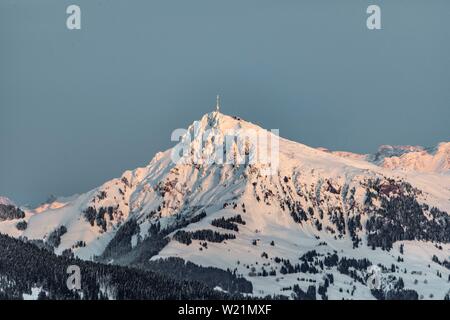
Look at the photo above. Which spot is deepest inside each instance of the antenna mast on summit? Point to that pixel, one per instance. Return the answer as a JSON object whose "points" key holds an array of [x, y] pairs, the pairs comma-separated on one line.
{"points": [[217, 103]]}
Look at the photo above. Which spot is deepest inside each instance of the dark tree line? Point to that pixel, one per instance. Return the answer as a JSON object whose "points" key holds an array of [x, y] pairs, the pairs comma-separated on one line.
{"points": [[403, 218], [299, 215], [350, 266], [119, 248], [229, 224], [54, 238], [10, 212], [24, 266], [331, 260], [299, 294], [97, 217], [395, 294], [180, 269], [22, 225], [186, 237], [444, 262], [121, 243], [308, 264], [337, 218], [354, 224]]}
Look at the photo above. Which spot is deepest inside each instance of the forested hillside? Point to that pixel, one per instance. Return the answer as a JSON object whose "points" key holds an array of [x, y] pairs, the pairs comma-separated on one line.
{"points": [[24, 266]]}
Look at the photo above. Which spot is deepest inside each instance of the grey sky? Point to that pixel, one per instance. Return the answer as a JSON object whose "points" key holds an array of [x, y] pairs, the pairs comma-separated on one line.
{"points": [[79, 107]]}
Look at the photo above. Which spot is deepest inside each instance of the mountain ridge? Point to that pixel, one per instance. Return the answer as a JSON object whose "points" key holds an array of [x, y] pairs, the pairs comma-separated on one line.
{"points": [[404, 157]]}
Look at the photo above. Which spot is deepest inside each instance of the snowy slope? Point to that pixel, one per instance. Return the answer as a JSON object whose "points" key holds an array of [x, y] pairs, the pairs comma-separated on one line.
{"points": [[315, 200]]}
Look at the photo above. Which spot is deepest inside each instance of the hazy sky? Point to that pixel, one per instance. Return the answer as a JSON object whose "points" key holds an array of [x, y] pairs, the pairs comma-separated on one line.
{"points": [[78, 108]]}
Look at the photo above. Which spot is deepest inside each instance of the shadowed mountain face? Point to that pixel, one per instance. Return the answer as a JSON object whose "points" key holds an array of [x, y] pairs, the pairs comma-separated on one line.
{"points": [[299, 216]]}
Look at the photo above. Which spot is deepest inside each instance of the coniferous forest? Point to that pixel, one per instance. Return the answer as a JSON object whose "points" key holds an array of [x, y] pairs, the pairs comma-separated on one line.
{"points": [[24, 266]]}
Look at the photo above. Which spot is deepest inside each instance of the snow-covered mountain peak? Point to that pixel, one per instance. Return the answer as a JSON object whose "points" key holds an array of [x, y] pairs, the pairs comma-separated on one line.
{"points": [[5, 201], [220, 123], [221, 139], [210, 194]]}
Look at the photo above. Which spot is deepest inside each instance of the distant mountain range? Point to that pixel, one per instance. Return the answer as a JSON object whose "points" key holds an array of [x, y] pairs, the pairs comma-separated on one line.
{"points": [[407, 158]]}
